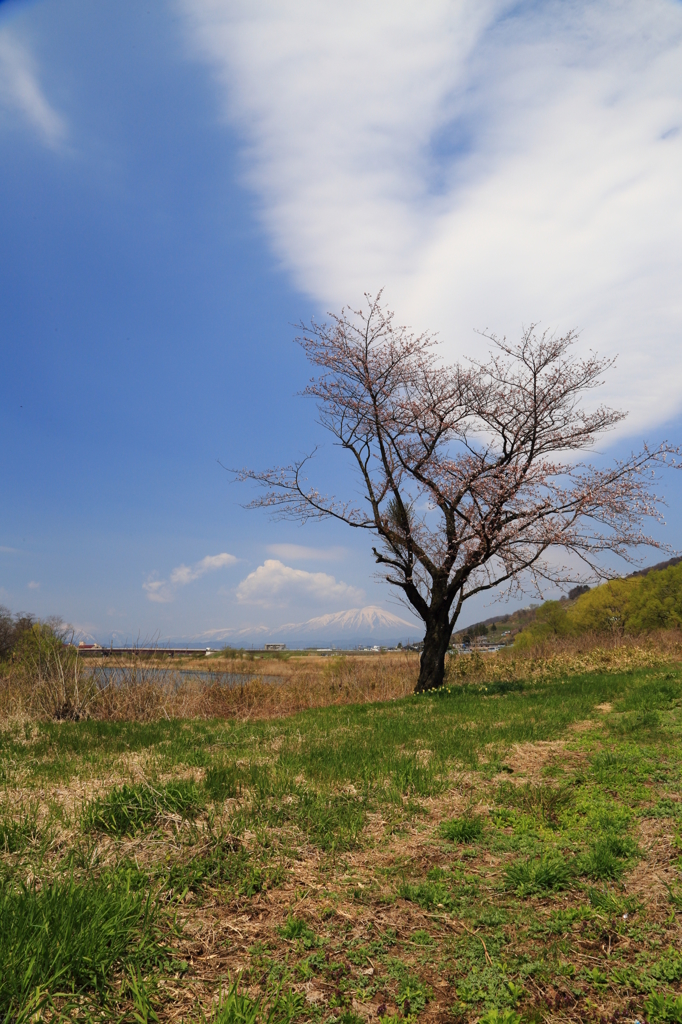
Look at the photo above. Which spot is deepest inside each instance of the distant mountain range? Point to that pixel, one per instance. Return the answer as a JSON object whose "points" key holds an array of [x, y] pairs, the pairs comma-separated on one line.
{"points": [[353, 626]]}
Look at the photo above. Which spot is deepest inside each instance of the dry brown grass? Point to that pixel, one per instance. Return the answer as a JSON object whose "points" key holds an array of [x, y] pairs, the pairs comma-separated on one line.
{"points": [[271, 688], [274, 688], [566, 656]]}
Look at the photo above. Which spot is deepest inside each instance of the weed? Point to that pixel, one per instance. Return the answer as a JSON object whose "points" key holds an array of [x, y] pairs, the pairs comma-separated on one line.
{"points": [[308, 783], [412, 996], [596, 978], [69, 937], [235, 1007], [608, 903], [667, 1008], [225, 861], [348, 1017], [427, 894], [503, 686], [222, 782], [311, 966], [411, 776], [495, 1016], [626, 978], [128, 809], [642, 721], [665, 808], [462, 830], [238, 1007], [545, 802], [491, 917], [332, 822], [515, 991], [560, 921], [16, 835], [675, 895], [547, 874], [295, 928], [668, 968], [607, 858]]}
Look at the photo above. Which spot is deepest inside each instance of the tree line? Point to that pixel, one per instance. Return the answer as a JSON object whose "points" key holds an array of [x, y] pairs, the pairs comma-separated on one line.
{"points": [[631, 606]]}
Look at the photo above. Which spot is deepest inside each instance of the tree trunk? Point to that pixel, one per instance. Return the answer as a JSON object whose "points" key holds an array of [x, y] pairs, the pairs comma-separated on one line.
{"points": [[432, 662]]}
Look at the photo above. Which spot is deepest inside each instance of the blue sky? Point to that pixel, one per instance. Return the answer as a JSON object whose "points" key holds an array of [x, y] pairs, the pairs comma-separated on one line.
{"points": [[181, 181]]}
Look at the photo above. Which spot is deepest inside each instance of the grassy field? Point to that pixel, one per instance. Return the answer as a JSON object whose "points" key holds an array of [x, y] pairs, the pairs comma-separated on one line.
{"points": [[498, 852]]}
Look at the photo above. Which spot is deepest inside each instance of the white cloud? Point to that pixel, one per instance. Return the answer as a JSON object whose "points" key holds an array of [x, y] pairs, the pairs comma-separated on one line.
{"points": [[22, 93], [33, 585], [301, 553], [490, 162], [188, 573], [158, 591], [274, 584], [163, 591]]}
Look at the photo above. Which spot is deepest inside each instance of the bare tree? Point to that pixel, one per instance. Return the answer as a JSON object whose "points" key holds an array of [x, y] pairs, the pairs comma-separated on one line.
{"points": [[12, 628], [469, 473]]}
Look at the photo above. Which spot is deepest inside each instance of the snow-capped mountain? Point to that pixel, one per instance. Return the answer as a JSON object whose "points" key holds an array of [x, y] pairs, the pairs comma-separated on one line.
{"points": [[355, 625]]}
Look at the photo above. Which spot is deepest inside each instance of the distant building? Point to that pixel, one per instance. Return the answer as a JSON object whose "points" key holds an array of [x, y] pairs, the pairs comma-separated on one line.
{"points": [[275, 647]]}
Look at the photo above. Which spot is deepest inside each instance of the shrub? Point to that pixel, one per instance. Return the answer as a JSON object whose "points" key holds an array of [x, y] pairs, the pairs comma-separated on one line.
{"points": [[12, 628], [51, 671]]}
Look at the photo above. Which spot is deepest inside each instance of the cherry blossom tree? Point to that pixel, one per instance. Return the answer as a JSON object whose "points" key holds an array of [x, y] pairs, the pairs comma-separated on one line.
{"points": [[470, 474]]}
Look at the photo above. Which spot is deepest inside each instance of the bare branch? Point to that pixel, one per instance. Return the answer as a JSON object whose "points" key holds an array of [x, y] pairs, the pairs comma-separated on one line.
{"points": [[465, 469]]}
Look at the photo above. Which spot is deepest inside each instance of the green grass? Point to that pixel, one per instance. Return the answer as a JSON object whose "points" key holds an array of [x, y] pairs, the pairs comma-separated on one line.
{"points": [[303, 868], [462, 830], [548, 873], [545, 802], [608, 857], [237, 1007], [68, 937], [298, 929], [127, 810], [17, 830]]}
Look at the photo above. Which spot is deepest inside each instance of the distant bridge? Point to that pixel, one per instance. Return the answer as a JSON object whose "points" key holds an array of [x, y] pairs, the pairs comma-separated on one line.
{"points": [[94, 650]]}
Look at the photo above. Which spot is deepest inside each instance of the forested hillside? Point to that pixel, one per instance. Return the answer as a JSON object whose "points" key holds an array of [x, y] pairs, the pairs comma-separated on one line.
{"points": [[634, 605]]}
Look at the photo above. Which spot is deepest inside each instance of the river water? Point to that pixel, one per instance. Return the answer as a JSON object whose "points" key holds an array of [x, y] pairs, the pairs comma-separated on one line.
{"points": [[106, 675]]}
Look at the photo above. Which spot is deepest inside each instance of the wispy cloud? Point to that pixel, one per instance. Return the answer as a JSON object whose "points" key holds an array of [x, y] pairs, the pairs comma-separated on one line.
{"points": [[274, 584], [301, 553], [490, 162], [188, 573], [9, 551], [158, 591], [21, 92], [163, 591]]}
